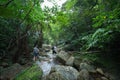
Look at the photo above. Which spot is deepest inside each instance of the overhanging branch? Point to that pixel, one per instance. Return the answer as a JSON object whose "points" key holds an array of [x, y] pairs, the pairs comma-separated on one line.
{"points": [[7, 3]]}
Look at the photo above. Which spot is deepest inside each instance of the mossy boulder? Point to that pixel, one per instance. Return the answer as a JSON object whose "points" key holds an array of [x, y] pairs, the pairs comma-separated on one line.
{"points": [[31, 73]]}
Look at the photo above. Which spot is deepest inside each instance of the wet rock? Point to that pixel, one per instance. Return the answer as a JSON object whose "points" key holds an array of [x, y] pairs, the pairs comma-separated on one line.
{"points": [[70, 61], [83, 75], [52, 70], [88, 67], [45, 66], [100, 71]]}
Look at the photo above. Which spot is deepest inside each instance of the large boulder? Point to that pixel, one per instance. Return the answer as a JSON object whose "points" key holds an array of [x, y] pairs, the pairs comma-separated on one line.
{"points": [[77, 62], [46, 48], [62, 57], [70, 61], [85, 60], [83, 75], [54, 76], [59, 50], [100, 71], [64, 73], [88, 67]]}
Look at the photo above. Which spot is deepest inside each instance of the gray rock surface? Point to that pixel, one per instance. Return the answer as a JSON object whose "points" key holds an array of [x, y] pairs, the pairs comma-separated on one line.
{"points": [[70, 61], [65, 73]]}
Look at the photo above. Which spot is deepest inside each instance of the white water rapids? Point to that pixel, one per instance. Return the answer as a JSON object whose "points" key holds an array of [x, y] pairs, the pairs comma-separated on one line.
{"points": [[46, 63]]}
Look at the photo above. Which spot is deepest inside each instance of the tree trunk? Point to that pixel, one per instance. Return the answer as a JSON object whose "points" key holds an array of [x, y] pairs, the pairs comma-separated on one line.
{"points": [[21, 44]]}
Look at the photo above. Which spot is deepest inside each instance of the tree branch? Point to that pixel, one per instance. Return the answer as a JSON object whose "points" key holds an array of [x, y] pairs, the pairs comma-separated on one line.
{"points": [[7, 3], [28, 13]]}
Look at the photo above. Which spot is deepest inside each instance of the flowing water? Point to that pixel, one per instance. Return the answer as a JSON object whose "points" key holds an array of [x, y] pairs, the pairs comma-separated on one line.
{"points": [[46, 63]]}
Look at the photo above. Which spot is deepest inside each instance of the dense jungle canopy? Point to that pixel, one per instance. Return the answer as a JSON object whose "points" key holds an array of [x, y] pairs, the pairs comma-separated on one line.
{"points": [[74, 25]]}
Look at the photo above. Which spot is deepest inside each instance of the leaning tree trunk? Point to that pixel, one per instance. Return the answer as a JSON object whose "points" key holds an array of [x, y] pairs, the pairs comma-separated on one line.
{"points": [[41, 38], [18, 44]]}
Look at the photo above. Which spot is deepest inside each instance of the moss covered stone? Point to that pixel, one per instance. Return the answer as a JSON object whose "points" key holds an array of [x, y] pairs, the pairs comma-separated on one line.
{"points": [[31, 73]]}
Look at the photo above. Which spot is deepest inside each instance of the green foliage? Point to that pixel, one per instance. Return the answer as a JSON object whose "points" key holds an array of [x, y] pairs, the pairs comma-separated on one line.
{"points": [[70, 4], [97, 40], [20, 20], [36, 14], [106, 24], [93, 18], [6, 33], [31, 73], [108, 20]]}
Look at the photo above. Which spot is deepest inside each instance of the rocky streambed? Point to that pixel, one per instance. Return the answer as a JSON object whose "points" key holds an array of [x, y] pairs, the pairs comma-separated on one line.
{"points": [[61, 66], [64, 66]]}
